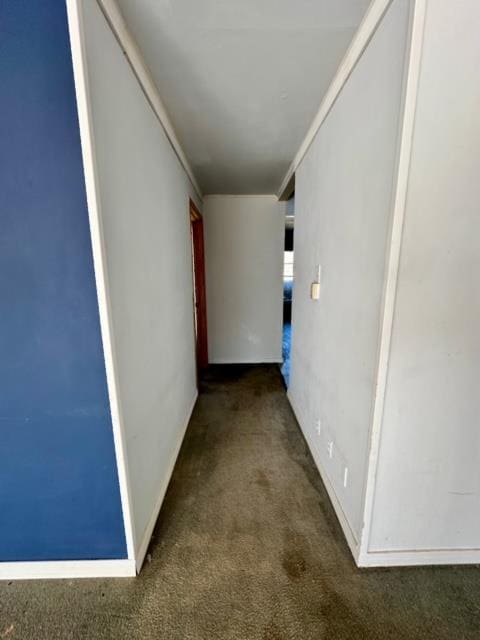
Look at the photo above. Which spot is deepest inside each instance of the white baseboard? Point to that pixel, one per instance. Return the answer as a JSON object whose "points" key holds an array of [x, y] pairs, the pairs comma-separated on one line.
{"points": [[147, 535], [352, 541], [277, 360], [394, 558], [423, 557], [67, 569]]}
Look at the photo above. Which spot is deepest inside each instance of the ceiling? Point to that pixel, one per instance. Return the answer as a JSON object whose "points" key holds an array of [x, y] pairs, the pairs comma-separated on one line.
{"points": [[242, 79]]}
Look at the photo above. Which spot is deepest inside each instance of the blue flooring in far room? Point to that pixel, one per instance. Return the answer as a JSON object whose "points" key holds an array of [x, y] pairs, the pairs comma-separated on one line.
{"points": [[287, 338], [287, 328]]}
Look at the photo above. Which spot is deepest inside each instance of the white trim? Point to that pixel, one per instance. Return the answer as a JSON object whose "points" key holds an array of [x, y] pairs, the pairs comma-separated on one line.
{"points": [[77, 40], [419, 557], [147, 535], [70, 569], [393, 260], [350, 536], [288, 190], [364, 34], [278, 360], [134, 56], [240, 195]]}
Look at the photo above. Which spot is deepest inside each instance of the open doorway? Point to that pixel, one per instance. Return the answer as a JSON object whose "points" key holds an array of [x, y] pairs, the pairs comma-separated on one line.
{"points": [[199, 287], [288, 279]]}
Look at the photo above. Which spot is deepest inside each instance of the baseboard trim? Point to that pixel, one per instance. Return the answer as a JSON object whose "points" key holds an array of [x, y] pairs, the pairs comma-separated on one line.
{"points": [[411, 558], [67, 569], [350, 537], [147, 535], [277, 360]]}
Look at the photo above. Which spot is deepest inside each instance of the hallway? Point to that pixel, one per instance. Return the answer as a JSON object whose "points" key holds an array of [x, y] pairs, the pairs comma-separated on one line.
{"points": [[247, 548]]}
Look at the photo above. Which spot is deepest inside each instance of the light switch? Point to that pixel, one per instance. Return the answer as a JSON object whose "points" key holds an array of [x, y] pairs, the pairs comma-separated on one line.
{"points": [[315, 286]]}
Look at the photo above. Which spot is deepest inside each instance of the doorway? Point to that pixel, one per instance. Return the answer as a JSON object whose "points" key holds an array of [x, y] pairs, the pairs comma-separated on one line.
{"points": [[199, 288], [288, 277]]}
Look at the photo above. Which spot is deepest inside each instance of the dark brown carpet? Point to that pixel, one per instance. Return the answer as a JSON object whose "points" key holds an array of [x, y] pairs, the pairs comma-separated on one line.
{"points": [[247, 547]]}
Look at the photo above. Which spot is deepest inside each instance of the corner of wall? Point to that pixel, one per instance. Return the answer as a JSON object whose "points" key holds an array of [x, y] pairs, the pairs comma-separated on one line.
{"points": [[77, 40], [353, 543], [413, 56], [141, 550]]}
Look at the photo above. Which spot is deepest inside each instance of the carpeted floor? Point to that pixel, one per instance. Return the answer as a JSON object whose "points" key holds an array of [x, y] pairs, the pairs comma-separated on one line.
{"points": [[247, 548]]}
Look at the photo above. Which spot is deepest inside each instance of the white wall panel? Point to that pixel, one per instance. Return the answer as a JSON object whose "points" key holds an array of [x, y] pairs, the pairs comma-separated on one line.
{"points": [[342, 218], [244, 240], [428, 481], [144, 195]]}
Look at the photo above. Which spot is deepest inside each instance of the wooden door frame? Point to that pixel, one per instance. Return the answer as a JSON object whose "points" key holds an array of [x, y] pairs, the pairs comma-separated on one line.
{"points": [[200, 292]]}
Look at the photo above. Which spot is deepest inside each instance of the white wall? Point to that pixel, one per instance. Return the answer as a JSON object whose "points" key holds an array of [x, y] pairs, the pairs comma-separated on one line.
{"points": [[342, 215], [428, 482], [144, 196], [244, 240]]}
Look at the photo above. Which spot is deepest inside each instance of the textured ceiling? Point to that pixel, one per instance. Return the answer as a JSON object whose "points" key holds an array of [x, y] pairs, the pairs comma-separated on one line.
{"points": [[242, 79]]}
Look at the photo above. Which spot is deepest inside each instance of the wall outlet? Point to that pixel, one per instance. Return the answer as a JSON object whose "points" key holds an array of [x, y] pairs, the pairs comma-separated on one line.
{"points": [[318, 427]]}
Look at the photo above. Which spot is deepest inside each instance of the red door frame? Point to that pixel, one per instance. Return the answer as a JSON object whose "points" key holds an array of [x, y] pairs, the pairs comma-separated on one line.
{"points": [[200, 301]]}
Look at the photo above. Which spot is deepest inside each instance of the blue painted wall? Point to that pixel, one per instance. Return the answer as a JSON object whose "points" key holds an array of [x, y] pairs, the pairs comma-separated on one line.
{"points": [[59, 493]]}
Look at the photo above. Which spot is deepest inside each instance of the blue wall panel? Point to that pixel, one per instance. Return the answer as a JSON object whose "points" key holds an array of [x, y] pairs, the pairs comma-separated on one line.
{"points": [[59, 493]]}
